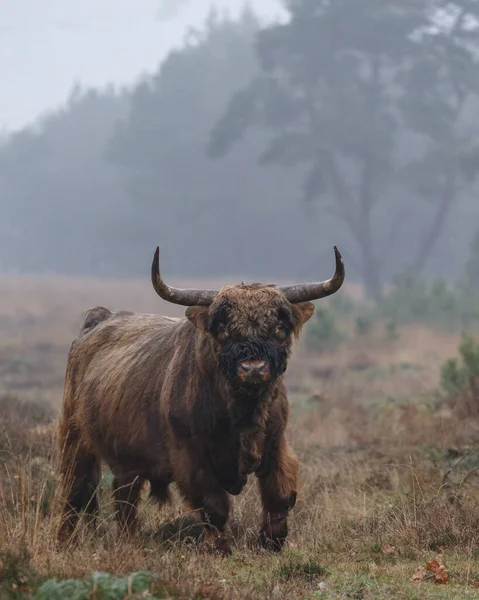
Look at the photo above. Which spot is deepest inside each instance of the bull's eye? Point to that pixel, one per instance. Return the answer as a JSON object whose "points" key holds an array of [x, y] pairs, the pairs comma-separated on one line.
{"points": [[281, 331], [221, 331]]}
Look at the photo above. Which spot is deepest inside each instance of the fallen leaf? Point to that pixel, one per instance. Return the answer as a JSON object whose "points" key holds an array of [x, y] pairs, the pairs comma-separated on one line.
{"points": [[439, 571], [388, 549], [420, 574]]}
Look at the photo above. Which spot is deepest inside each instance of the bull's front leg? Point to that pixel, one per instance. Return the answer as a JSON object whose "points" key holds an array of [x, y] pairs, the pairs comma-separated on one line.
{"points": [[201, 489], [251, 444], [277, 478], [252, 438]]}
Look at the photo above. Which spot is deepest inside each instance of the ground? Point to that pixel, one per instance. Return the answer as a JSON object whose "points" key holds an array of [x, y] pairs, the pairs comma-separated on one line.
{"points": [[387, 472]]}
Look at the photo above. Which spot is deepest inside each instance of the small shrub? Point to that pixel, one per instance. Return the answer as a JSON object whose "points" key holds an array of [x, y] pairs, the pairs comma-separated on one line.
{"points": [[413, 300], [453, 378], [457, 374], [391, 331], [17, 578], [469, 351], [363, 324]]}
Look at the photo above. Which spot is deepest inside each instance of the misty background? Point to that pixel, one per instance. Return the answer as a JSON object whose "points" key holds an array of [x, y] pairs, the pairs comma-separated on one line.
{"points": [[245, 140]]}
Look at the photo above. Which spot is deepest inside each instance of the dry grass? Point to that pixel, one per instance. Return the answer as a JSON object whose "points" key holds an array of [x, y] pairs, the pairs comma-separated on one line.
{"points": [[388, 475]]}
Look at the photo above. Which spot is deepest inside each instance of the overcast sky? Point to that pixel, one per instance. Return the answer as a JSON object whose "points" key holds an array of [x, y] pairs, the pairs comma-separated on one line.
{"points": [[48, 45]]}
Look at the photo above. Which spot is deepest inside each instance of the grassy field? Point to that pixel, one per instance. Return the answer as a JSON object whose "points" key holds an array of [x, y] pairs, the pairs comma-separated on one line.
{"points": [[388, 472]]}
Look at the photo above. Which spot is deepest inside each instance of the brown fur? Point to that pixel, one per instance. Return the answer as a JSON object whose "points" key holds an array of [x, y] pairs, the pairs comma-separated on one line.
{"points": [[145, 394]]}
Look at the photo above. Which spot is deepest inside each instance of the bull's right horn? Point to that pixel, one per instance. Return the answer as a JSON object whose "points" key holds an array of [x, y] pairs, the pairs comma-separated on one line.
{"points": [[314, 291], [176, 295]]}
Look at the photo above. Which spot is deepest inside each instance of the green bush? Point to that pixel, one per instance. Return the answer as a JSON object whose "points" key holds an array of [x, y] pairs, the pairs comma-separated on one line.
{"points": [[322, 334], [413, 300], [392, 331], [453, 378], [469, 351], [455, 372], [16, 575], [103, 585], [364, 324]]}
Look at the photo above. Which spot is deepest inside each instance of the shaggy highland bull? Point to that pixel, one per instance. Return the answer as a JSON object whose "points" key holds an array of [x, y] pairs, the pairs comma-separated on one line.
{"points": [[199, 401]]}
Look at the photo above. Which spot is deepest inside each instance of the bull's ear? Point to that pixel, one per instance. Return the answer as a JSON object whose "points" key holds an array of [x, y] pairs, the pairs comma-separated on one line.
{"points": [[302, 312], [198, 315]]}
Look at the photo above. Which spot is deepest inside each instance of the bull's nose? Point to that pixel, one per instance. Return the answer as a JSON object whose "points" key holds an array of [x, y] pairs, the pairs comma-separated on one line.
{"points": [[253, 369]]}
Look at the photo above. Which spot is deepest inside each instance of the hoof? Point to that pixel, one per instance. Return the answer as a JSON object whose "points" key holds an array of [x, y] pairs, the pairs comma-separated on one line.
{"points": [[66, 537], [219, 546], [222, 547], [271, 544]]}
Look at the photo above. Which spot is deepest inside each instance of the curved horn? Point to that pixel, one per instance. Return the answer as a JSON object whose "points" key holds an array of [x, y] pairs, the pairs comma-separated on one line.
{"points": [[304, 292], [175, 295]]}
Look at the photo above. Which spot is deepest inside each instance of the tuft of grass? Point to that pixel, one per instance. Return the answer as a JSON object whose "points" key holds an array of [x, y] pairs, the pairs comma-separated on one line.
{"points": [[301, 569]]}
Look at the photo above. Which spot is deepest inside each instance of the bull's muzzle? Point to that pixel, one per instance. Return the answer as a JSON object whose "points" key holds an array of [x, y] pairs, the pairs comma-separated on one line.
{"points": [[254, 371]]}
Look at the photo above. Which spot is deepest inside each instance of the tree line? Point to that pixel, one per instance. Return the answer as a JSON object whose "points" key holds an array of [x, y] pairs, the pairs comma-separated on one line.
{"points": [[253, 149]]}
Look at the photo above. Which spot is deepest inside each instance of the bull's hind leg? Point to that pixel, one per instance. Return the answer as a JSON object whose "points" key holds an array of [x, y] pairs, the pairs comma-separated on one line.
{"points": [[126, 491], [201, 490], [278, 484], [80, 478]]}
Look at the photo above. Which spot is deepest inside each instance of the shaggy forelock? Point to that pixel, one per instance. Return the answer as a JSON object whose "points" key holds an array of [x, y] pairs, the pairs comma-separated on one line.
{"points": [[250, 309]]}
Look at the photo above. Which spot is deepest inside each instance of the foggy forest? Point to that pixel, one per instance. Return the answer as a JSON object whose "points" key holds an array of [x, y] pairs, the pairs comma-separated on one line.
{"points": [[358, 131]]}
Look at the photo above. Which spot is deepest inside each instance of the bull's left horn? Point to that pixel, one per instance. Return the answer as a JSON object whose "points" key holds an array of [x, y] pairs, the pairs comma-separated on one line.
{"points": [[304, 292], [175, 295]]}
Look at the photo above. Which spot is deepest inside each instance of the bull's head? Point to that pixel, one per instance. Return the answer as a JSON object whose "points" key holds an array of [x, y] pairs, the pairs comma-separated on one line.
{"points": [[251, 326]]}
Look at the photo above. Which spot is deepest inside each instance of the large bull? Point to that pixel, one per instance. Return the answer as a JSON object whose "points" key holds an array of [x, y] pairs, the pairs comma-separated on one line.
{"points": [[199, 401]]}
